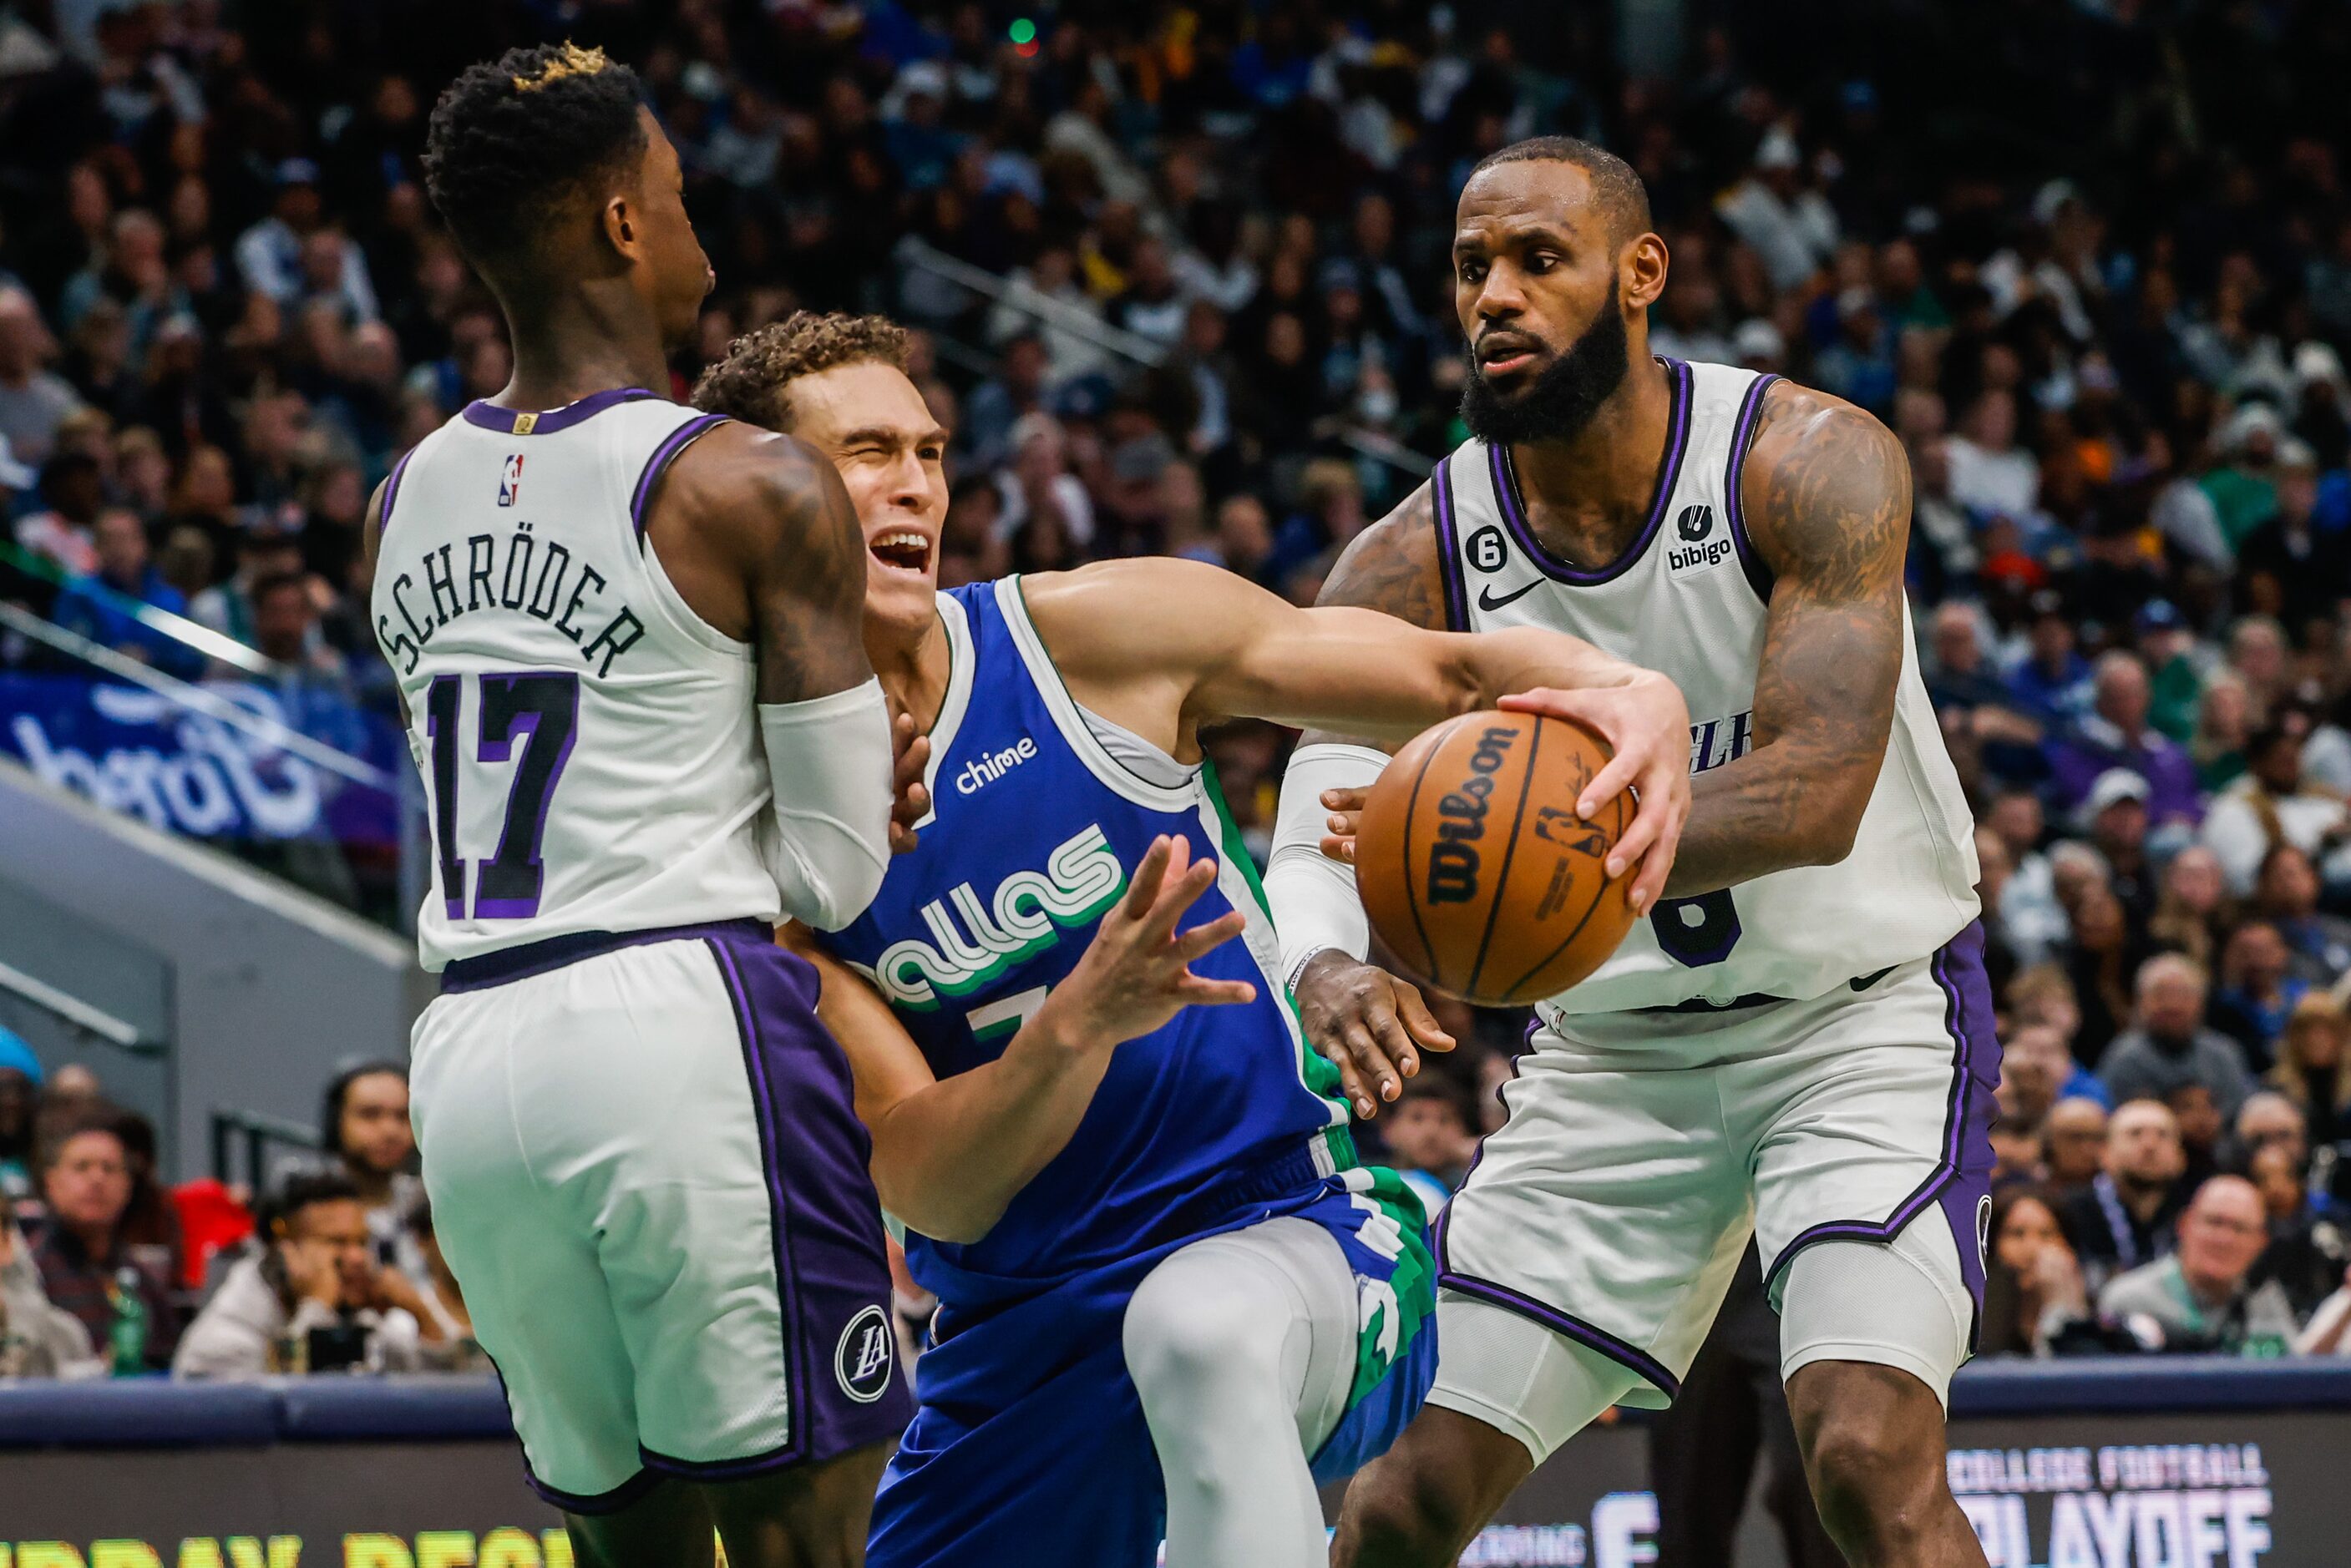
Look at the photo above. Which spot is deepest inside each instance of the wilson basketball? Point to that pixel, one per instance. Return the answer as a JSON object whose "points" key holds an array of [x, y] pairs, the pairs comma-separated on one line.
{"points": [[1476, 870]]}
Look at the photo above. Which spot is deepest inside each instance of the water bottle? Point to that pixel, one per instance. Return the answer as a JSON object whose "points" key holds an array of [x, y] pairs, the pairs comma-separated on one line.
{"points": [[128, 1336]]}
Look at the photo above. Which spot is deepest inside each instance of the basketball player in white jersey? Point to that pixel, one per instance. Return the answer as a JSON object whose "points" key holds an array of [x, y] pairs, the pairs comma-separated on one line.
{"points": [[1797, 1041], [628, 638]]}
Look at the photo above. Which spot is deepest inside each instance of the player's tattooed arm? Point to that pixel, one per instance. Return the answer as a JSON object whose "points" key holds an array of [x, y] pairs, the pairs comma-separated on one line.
{"points": [[1826, 495], [1391, 567]]}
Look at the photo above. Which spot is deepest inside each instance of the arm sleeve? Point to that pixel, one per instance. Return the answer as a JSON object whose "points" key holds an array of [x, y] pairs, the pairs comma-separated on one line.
{"points": [[1313, 897], [827, 841]]}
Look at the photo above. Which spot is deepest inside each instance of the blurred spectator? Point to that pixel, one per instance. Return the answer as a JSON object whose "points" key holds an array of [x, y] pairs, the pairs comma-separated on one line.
{"points": [[74, 487], [37, 1338], [2202, 1297], [2201, 1128], [289, 255], [2116, 735], [2310, 1066], [2288, 568], [2285, 896], [1430, 1136], [2073, 1146], [363, 1125], [447, 1341], [2169, 1043], [2305, 1254], [34, 402], [2192, 907], [309, 1299], [2256, 992], [1991, 476], [86, 1268], [2034, 1068], [20, 1100], [1791, 227], [2034, 1287], [2124, 1218], [2270, 806], [104, 608]]}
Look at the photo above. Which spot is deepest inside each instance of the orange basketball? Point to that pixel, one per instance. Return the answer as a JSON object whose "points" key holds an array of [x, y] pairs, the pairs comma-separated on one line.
{"points": [[1476, 870]]}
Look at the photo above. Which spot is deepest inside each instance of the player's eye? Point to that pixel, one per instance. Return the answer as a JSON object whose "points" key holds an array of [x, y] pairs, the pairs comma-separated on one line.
{"points": [[1541, 261], [1472, 271]]}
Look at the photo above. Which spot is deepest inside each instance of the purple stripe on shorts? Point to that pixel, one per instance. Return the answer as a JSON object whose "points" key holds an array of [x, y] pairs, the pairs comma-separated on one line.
{"points": [[1669, 469], [685, 435], [1449, 549], [589, 1504], [1759, 574], [1961, 1179], [553, 952], [489, 416], [1584, 1333]]}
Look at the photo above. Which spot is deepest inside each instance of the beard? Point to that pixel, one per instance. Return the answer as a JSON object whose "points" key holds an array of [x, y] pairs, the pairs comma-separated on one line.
{"points": [[1565, 393]]}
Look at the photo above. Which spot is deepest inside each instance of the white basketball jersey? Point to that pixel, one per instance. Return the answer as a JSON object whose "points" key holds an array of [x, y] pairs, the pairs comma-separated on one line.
{"points": [[1688, 598], [589, 746]]}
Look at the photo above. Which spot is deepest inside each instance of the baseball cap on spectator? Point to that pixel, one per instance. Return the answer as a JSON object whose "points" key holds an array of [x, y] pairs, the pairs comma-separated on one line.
{"points": [[1757, 339], [2156, 615], [2315, 362], [1339, 273], [2052, 199], [2294, 455], [14, 1052], [2252, 421], [296, 171], [1778, 150], [2113, 787]]}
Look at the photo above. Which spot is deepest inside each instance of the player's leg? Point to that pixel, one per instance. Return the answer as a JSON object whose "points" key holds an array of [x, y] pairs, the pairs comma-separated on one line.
{"points": [[743, 1250], [812, 1518], [1872, 1166], [667, 1525], [1582, 1262], [1242, 1348], [1421, 1503]]}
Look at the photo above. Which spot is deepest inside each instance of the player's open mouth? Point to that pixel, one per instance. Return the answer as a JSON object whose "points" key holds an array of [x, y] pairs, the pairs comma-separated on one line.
{"points": [[903, 548], [1501, 358]]}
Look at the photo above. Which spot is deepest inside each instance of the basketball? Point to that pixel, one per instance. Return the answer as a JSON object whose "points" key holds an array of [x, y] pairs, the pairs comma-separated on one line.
{"points": [[1475, 869]]}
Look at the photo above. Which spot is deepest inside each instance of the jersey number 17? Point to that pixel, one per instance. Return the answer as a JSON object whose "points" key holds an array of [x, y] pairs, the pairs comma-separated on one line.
{"points": [[541, 709]]}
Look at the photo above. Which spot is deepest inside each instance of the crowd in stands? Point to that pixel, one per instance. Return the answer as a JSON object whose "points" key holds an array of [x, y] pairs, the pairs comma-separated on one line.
{"points": [[2091, 263], [106, 1270]]}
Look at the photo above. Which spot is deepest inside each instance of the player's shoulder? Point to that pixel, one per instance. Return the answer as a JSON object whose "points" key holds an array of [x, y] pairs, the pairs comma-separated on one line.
{"points": [[1821, 467], [1395, 565]]}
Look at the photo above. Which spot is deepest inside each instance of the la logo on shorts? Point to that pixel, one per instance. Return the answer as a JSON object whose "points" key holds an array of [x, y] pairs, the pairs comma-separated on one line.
{"points": [[862, 1360]]}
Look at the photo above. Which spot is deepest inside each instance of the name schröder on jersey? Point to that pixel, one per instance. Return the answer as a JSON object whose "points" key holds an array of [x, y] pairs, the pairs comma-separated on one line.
{"points": [[972, 940], [506, 571]]}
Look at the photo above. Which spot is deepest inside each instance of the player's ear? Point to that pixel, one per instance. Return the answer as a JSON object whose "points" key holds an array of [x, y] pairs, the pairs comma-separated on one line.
{"points": [[1641, 272], [618, 224]]}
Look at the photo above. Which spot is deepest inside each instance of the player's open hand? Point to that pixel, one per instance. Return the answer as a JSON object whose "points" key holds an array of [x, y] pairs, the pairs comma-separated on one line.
{"points": [[1647, 723], [1372, 1025], [1136, 973], [909, 795]]}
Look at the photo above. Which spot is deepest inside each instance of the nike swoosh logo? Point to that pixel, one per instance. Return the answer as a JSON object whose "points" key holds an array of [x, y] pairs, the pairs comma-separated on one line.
{"points": [[1486, 601]]}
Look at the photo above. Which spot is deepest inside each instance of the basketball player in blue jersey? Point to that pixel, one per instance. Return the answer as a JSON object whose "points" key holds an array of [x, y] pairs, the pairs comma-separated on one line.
{"points": [[1171, 1299], [1797, 1044], [628, 635]]}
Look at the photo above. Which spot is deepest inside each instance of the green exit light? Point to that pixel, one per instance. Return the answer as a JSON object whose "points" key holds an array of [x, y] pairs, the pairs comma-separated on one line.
{"points": [[1024, 31]]}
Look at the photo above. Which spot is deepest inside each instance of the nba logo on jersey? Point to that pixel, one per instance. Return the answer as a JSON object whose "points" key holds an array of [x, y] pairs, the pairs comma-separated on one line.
{"points": [[510, 482], [862, 1361]]}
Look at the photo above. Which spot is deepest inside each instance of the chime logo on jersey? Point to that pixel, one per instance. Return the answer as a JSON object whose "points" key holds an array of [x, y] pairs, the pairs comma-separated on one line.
{"points": [[1700, 547], [510, 482], [862, 1361], [972, 941]]}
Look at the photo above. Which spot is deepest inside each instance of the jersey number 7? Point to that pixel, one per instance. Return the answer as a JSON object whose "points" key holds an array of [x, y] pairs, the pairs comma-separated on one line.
{"points": [[544, 709]]}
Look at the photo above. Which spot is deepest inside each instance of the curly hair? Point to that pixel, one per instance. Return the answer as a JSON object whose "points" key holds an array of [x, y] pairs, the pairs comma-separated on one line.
{"points": [[750, 382], [510, 141]]}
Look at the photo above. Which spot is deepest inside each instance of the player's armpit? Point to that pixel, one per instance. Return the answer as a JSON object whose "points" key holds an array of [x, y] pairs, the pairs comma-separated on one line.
{"points": [[1826, 495]]}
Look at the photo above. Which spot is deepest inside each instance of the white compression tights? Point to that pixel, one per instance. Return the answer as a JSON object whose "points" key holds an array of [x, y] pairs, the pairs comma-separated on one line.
{"points": [[1243, 1348]]}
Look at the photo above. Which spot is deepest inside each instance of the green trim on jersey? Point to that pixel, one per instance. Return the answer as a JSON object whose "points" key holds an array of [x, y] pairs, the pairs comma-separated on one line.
{"points": [[1318, 1074]]}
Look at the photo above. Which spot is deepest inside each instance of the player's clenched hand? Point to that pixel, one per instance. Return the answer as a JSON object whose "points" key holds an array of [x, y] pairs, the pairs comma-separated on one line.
{"points": [[1136, 973], [910, 796], [1372, 1025], [1647, 723]]}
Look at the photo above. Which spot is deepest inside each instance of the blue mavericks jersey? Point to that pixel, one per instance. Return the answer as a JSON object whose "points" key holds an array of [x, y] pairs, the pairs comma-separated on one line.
{"points": [[1036, 827]]}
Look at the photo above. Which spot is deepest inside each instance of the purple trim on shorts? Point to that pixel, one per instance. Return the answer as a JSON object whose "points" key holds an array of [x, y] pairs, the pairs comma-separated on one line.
{"points": [[1961, 1179], [391, 491], [589, 1503], [676, 441], [1669, 469], [1751, 561], [489, 416], [1593, 1339], [527, 958], [779, 1214], [780, 1458], [1449, 549]]}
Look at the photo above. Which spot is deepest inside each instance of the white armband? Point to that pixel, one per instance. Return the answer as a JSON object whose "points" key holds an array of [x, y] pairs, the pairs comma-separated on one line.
{"points": [[826, 840], [1313, 897]]}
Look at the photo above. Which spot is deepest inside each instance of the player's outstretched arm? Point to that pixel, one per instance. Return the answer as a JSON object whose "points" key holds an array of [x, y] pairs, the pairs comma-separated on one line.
{"points": [[949, 1154], [758, 535]]}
